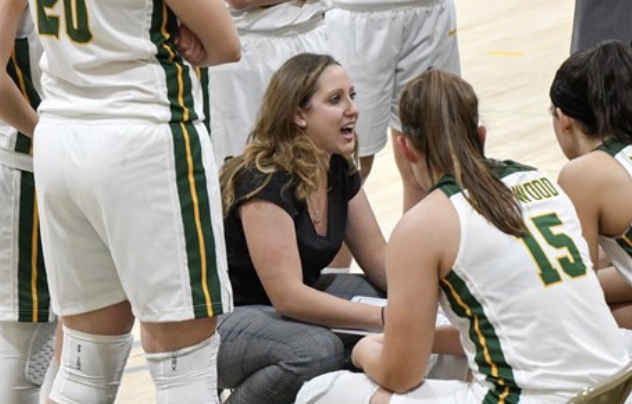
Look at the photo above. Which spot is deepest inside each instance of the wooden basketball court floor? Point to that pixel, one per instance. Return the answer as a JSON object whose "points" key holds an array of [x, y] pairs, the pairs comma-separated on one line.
{"points": [[509, 53]]}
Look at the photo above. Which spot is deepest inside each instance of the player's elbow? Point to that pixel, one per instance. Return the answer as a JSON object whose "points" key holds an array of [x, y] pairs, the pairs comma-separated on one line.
{"points": [[284, 306], [401, 385], [401, 379], [234, 54], [229, 53], [231, 49]]}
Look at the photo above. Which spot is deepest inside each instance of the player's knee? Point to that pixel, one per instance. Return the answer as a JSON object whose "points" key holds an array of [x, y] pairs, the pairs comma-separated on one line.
{"points": [[187, 375], [91, 367]]}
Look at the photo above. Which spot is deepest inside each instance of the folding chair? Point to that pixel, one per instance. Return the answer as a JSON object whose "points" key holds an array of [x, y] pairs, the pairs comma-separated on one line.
{"points": [[613, 390]]}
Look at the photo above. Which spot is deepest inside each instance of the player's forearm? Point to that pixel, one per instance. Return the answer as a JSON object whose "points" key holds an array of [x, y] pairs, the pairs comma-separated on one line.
{"points": [[14, 110]]}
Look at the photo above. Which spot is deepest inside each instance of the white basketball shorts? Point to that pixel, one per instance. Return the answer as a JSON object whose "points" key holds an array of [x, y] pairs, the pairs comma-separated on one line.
{"points": [[131, 212]]}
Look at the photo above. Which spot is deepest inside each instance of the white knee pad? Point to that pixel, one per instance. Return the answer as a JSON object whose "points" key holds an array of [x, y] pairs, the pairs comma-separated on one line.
{"points": [[91, 367], [188, 375]]}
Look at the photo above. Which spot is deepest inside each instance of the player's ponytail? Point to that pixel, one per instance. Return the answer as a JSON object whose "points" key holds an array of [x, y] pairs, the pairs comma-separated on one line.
{"points": [[439, 113]]}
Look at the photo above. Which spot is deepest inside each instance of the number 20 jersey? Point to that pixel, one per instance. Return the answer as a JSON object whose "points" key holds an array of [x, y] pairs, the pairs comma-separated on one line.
{"points": [[531, 313], [114, 58]]}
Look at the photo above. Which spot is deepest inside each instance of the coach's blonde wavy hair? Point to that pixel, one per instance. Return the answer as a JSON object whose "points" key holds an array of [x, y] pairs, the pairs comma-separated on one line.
{"points": [[277, 143]]}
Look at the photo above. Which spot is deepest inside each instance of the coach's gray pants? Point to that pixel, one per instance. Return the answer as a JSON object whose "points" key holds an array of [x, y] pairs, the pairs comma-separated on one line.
{"points": [[265, 358]]}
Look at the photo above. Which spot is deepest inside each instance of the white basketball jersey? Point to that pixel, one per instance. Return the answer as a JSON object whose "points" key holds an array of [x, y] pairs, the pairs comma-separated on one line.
{"points": [[530, 311], [619, 249], [282, 15], [118, 61], [23, 67]]}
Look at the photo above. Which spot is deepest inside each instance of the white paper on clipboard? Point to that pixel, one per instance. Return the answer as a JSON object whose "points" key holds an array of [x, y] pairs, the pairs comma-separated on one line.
{"points": [[374, 301]]}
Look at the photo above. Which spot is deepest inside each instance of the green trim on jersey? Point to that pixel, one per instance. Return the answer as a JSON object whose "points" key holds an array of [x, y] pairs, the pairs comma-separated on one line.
{"points": [[489, 355], [164, 27], [33, 295], [447, 184], [203, 73], [611, 146], [500, 169], [625, 241], [198, 225], [19, 69]]}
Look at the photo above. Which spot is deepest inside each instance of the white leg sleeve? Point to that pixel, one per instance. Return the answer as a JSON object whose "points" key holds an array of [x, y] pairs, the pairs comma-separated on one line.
{"points": [[42, 345], [47, 385], [91, 367], [188, 375], [23, 360]]}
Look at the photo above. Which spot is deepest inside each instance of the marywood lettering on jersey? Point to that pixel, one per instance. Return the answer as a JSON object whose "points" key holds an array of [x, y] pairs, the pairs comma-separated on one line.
{"points": [[534, 190]]}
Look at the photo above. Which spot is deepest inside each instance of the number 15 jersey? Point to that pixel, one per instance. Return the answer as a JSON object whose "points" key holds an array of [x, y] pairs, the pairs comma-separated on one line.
{"points": [[530, 311]]}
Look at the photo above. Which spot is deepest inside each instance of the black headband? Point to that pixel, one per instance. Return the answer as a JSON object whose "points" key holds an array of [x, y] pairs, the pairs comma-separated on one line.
{"points": [[572, 104]]}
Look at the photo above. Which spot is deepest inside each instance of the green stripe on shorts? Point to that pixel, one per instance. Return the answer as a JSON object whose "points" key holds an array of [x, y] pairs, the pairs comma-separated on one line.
{"points": [[197, 221], [33, 295]]}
